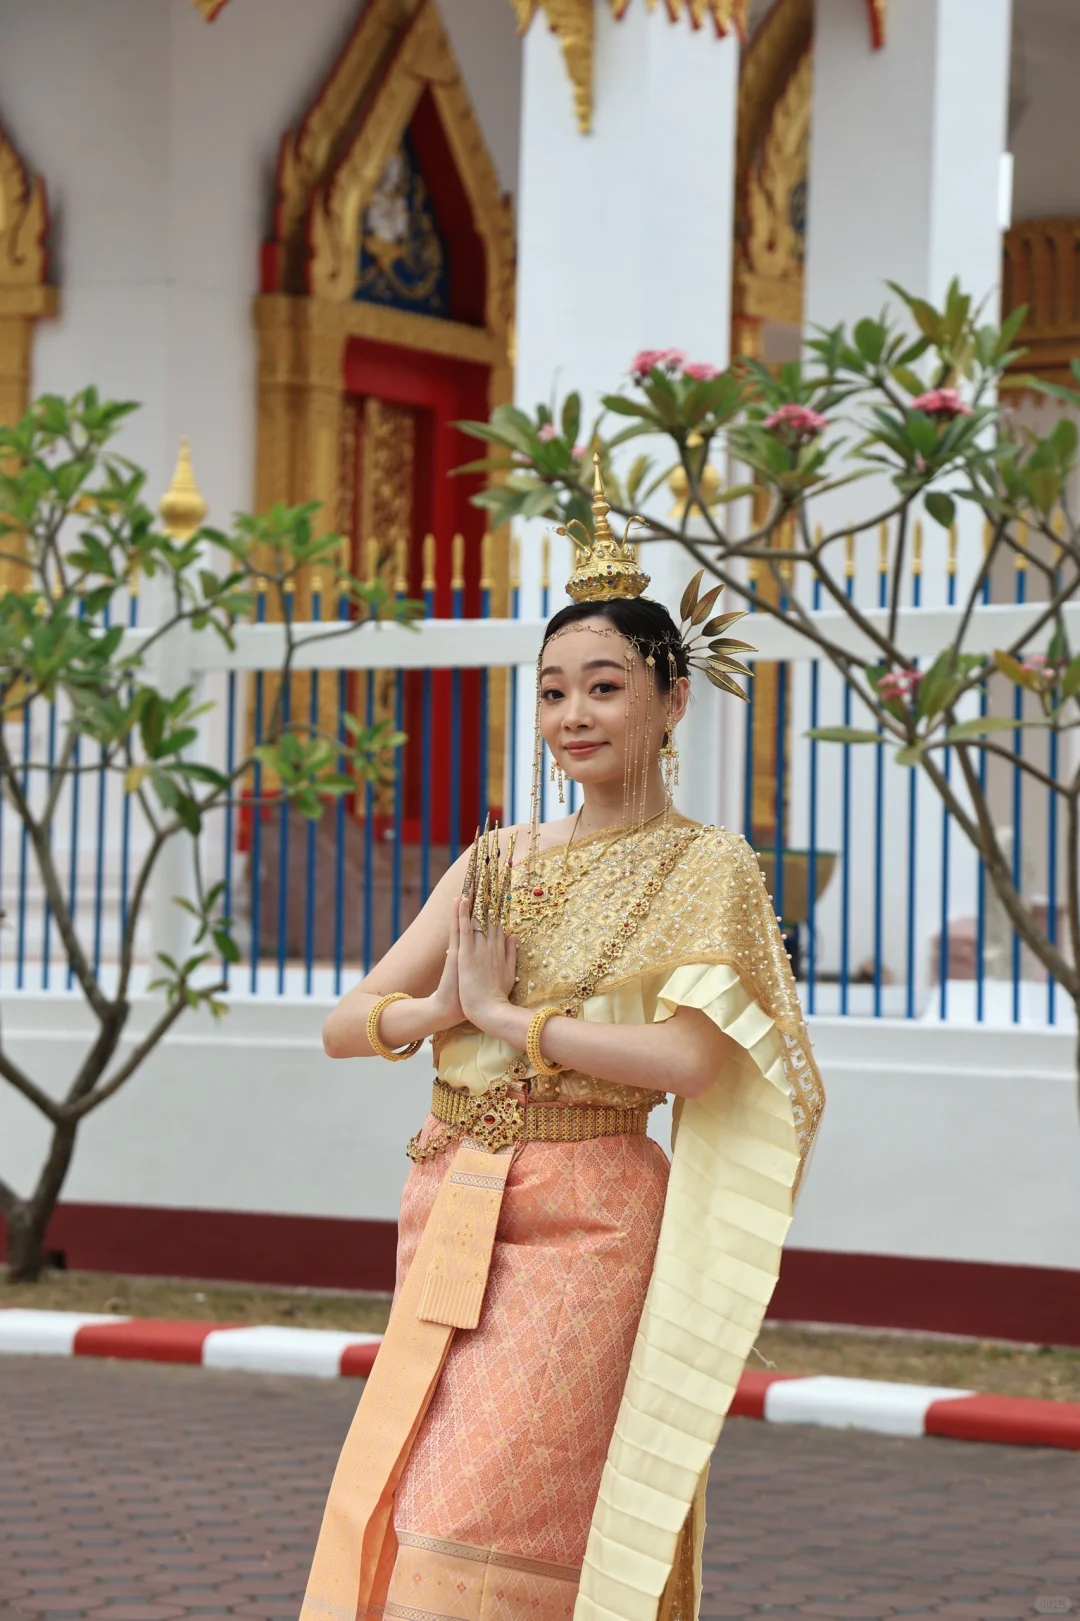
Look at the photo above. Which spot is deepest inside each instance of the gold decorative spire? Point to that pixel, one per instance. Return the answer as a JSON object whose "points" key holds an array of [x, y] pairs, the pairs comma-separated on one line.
{"points": [[573, 23], [182, 507], [606, 568]]}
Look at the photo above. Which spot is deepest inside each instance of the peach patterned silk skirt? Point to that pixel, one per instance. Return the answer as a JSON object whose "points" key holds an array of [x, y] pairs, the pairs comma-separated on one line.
{"points": [[493, 1508]]}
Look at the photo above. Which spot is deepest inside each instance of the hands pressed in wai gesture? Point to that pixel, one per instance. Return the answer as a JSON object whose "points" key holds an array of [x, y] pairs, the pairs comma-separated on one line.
{"points": [[483, 964]]}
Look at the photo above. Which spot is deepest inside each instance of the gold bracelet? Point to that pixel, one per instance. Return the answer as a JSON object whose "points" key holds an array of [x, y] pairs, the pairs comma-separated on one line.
{"points": [[377, 1046], [532, 1042]]}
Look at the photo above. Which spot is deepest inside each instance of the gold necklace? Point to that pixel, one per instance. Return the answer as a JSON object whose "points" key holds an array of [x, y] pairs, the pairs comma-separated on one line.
{"points": [[540, 899]]}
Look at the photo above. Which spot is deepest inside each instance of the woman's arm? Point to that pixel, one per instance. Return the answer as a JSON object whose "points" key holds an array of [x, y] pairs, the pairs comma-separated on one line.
{"points": [[682, 1055], [418, 963]]}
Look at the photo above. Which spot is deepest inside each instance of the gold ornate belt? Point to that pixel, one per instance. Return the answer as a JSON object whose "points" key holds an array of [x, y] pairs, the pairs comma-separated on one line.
{"points": [[495, 1120]]}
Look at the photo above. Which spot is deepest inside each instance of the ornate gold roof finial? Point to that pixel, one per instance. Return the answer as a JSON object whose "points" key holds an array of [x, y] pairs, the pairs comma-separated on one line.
{"points": [[607, 568], [182, 507]]}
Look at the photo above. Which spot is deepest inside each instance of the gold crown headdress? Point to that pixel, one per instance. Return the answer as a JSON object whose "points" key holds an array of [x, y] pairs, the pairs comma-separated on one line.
{"points": [[607, 568]]}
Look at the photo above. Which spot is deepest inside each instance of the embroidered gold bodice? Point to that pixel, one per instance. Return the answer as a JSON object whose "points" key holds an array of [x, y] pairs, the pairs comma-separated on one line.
{"points": [[712, 908]]}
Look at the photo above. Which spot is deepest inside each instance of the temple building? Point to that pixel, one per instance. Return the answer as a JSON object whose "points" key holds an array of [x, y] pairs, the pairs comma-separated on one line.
{"points": [[312, 237]]}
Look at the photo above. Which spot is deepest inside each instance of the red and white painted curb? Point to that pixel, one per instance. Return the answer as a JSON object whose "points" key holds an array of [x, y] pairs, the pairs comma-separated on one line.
{"points": [[778, 1398], [321, 1353]]}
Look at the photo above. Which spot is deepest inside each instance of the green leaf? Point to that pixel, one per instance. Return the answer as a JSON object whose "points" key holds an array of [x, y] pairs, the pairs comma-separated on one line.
{"points": [[1009, 329], [941, 507], [571, 418], [922, 432], [1014, 671], [842, 734], [938, 686], [870, 339], [627, 408], [909, 756], [907, 379], [1070, 681], [981, 726]]}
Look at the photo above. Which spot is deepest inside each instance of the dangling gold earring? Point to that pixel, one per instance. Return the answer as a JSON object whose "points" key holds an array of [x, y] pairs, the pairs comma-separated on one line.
{"points": [[669, 763], [559, 779]]}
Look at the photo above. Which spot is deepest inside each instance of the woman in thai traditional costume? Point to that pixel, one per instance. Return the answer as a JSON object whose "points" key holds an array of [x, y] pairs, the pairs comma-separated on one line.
{"points": [[572, 1315]]}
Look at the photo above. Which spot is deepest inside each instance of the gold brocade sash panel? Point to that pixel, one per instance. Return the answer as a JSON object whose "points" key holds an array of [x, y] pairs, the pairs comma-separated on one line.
{"points": [[355, 1553]]}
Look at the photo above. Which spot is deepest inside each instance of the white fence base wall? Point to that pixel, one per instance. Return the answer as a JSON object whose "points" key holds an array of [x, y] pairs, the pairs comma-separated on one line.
{"points": [[947, 1171]]}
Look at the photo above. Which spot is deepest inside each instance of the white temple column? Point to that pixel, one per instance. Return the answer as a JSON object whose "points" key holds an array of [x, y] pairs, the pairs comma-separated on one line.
{"points": [[906, 185], [624, 243], [905, 164]]}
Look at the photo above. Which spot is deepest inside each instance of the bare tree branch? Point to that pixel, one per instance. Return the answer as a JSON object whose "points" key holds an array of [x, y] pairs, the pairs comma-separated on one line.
{"points": [[160, 1028], [984, 837], [53, 892], [33, 1093]]}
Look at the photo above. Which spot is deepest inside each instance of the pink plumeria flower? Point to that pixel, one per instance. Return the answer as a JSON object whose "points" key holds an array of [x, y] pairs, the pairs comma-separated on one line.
{"points": [[647, 360], [899, 684], [547, 432], [941, 402], [701, 371], [1041, 665], [796, 423], [580, 452]]}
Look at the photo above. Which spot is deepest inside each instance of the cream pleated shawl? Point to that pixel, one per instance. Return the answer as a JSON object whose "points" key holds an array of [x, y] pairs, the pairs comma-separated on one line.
{"points": [[710, 941]]}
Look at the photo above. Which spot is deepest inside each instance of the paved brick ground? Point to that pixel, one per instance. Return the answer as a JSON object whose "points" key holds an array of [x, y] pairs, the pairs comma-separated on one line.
{"points": [[130, 1492]]}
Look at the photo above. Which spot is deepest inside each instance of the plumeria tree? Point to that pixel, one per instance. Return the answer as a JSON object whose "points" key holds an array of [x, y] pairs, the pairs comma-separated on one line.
{"points": [[75, 535], [909, 402]]}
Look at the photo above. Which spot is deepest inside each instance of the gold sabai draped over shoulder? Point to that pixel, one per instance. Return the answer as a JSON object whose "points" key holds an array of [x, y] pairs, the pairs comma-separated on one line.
{"points": [[710, 940]]}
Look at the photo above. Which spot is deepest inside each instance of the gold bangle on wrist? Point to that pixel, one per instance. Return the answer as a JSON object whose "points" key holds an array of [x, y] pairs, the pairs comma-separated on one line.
{"points": [[377, 1046], [532, 1042]]}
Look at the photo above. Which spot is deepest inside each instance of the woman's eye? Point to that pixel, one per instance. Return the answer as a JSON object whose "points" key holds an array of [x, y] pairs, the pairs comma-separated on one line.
{"points": [[551, 695], [602, 688]]}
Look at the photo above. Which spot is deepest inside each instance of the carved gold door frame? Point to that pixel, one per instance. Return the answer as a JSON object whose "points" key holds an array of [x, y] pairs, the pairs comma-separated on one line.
{"points": [[328, 171], [25, 296]]}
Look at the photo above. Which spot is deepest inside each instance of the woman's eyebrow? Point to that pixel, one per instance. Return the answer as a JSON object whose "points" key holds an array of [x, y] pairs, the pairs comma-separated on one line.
{"points": [[591, 664]]}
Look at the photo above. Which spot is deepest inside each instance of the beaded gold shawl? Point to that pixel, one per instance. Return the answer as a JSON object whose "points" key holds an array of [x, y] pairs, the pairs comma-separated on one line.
{"points": [[712, 909]]}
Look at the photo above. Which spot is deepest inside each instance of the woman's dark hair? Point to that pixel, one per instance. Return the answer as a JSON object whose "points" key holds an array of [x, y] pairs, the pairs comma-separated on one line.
{"points": [[647, 624]]}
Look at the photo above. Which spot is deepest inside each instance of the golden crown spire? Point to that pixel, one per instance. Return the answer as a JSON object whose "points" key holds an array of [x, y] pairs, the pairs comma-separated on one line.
{"points": [[606, 567]]}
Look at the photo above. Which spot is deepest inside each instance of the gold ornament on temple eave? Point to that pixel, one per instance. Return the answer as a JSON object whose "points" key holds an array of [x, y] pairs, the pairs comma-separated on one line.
{"points": [[182, 507], [607, 568], [708, 482]]}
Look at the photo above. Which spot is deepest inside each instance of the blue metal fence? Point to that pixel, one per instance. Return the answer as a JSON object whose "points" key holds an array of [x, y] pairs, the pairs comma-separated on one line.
{"points": [[888, 910]]}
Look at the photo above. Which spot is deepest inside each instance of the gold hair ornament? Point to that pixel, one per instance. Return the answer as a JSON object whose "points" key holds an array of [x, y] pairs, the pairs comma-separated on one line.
{"points": [[607, 570], [709, 649]]}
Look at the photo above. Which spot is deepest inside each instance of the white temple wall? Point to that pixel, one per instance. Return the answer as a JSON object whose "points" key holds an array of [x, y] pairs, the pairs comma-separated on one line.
{"points": [[1044, 110], [157, 135], [960, 1145], [624, 243]]}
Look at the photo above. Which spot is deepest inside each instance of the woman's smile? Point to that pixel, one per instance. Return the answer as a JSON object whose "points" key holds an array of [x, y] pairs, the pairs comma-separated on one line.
{"points": [[582, 751]]}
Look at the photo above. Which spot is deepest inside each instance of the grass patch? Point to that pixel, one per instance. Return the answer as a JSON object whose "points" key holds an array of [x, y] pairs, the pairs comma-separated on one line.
{"points": [[235, 1303], [1051, 1372]]}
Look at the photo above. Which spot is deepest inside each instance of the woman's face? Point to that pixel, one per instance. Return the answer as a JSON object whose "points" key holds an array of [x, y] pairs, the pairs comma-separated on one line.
{"points": [[586, 692]]}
